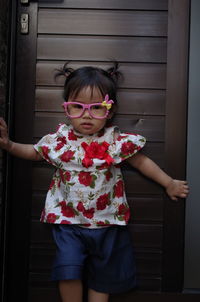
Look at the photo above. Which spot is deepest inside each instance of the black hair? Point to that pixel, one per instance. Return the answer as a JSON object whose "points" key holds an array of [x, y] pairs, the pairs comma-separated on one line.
{"points": [[105, 80]]}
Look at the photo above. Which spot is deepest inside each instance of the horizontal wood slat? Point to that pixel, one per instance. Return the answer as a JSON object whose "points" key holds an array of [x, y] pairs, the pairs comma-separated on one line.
{"points": [[146, 235], [43, 293], [109, 4], [146, 209], [150, 127], [148, 263], [136, 183], [94, 48], [136, 75], [102, 22]]}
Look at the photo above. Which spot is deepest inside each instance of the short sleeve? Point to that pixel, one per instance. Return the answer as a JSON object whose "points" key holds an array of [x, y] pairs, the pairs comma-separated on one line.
{"points": [[127, 145], [49, 145]]}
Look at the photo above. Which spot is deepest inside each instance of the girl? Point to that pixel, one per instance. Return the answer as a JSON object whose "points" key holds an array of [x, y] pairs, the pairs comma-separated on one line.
{"points": [[86, 203]]}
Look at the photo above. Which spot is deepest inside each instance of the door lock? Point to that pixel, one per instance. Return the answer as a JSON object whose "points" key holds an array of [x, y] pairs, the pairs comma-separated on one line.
{"points": [[24, 22]]}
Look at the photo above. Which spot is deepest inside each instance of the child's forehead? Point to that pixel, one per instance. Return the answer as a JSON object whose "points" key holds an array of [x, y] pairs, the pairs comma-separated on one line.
{"points": [[88, 93]]}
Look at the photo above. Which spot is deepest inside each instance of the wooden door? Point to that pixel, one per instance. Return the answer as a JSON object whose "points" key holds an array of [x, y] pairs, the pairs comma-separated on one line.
{"points": [[149, 39]]}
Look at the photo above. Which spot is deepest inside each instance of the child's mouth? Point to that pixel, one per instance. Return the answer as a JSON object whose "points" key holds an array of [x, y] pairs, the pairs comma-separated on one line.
{"points": [[86, 125]]}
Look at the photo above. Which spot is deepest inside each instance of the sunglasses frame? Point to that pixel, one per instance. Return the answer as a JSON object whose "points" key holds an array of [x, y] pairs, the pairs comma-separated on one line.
{"points": [[84, 106]]}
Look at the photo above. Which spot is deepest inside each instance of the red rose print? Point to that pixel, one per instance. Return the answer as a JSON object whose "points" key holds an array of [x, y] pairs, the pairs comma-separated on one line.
{"points": [[72, 136], [100, 223], [65, 222], [59, 146], [80, 207], [96, 150], [85, 178], [65, 175], [62, 139], [128, 148], [108, 175], [61, 142], [120, 137], [45, 151], [51, 218], [103, 223], [103, 201], [89, 213], [67, 156], [67, 210], [124, 211], [87, 162], [119, 189]]}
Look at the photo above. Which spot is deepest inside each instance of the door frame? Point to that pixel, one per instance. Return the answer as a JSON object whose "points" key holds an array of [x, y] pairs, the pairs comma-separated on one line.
{"points": [[176, 137], [18, 173], [20, 114]]}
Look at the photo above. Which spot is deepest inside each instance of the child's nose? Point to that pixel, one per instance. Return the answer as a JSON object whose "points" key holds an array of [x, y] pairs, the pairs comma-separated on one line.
{"points": [[86, 113]]}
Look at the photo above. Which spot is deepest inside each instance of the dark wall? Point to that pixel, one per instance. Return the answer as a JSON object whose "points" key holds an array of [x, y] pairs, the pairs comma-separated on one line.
{"points": [[4, 30]]}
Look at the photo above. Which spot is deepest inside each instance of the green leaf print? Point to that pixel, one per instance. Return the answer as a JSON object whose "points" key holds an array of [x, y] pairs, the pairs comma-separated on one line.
{"points": [[92, 185], [143, 140], [56, 202], [90, 196], [53, 189], [120, 218]]}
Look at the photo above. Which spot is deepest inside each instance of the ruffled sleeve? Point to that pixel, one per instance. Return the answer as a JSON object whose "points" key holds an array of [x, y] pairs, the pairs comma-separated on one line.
{"points": [[50, 144], [127, 145]]}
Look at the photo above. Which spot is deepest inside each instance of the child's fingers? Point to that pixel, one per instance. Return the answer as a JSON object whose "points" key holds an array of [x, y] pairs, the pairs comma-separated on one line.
{"points": [[3, 123], [3, 131]]}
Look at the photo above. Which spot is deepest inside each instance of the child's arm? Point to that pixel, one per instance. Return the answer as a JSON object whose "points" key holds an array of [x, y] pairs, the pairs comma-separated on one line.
{"points": [[24, 151], [174, 188]]}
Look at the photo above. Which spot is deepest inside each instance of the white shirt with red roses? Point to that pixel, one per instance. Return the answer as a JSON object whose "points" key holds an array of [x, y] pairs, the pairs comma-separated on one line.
{"points": [[87, 187]]}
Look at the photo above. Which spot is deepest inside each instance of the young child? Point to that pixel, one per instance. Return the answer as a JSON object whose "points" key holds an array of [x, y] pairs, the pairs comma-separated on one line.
{"points": [[86, 202]]}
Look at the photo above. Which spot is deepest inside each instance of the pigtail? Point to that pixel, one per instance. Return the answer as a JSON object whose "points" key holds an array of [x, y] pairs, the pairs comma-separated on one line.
{"points": [[64, 71], [114, 72]]}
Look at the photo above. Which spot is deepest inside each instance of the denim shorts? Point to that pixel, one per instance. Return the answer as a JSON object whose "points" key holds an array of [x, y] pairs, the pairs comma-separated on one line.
{"points": [[103, 258]]}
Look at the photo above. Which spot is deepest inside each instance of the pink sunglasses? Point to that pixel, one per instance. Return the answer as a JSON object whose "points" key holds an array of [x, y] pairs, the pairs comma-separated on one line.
{"points": [[96, 110]]}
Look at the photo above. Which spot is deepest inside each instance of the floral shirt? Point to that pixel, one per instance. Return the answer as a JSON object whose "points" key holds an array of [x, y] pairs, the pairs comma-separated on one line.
{"points": [[87, 187]]}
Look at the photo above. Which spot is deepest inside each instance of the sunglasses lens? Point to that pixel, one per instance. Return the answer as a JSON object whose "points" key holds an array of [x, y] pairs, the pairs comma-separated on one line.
{"points": [[74, 110], [98, 111]]}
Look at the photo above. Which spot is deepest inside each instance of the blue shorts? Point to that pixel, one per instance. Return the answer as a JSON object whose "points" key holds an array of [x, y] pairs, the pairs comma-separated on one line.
{"points": [[101, 257]]}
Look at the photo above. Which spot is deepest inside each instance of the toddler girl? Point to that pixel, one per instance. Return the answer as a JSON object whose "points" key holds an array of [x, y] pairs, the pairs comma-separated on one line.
{"points": [[86, 202]]}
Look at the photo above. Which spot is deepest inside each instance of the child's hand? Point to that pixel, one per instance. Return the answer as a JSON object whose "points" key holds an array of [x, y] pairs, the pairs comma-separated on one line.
{"points": [[4, 138], [177, 188]]}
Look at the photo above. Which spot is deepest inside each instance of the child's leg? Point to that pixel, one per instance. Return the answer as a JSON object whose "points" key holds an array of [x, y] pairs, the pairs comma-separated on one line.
{"points": [[94, 296], [71, 290]]}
